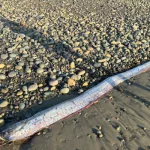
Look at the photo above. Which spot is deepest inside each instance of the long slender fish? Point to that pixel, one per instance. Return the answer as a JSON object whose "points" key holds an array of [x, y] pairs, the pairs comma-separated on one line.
{"points": [[43, 119]]}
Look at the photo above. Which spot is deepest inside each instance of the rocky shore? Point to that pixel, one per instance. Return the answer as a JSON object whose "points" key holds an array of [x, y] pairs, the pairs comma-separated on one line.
{"points": [[52, 48]]}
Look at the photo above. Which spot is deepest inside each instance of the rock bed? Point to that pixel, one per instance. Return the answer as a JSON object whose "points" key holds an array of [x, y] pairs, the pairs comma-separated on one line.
{"points": [[45, 53]]}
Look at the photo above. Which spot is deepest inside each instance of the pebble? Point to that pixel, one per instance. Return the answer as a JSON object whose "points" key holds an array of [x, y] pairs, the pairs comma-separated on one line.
{"points": [[38, 62], [79, 59], [46, 89], [12, 74], [59, 78], [1, 122], [102, 60], [2, 115], [64, 90], [2, 77], [21, 106], [5, 90], [118, 61], [4, 56], [28, 70], [123, 58], [19, 93], [24, 88], [53, 83], [76, 77], [18, 67], [80, 91], [71, 82], [40, 85], [25, 55], [53, 77], [53, 88], [85, 84], [2, 66], [4, 104], [108, 55], [81, 73], [12, 55], [22, 35], [40, 102], [33, 87], [97, 65], [40, 70], [21, 63], [47, 93], [72, 65], [105, 63], [42, 65]]}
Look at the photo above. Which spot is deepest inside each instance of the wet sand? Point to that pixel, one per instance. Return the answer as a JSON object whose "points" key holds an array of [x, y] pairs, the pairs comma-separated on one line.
{"points": [[122, 116]]}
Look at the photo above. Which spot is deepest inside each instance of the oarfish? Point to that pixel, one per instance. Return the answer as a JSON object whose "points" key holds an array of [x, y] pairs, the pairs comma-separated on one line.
{"points": [[43, 119]]}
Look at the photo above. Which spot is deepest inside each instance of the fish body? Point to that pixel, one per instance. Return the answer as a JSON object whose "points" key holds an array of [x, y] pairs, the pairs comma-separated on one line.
{"points": [[28, 127]]}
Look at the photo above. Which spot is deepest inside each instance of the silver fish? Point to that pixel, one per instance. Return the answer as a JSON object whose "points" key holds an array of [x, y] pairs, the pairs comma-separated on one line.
{"points": [[43, 119]]}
